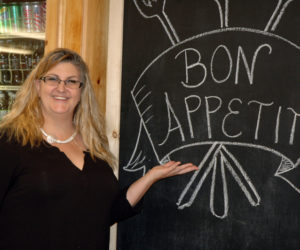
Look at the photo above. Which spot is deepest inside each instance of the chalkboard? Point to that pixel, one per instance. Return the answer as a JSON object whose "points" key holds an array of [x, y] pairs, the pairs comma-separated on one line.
{"points": [[216, 83]]}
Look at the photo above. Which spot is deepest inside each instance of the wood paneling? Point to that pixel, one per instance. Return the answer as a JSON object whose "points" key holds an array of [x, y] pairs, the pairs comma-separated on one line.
{"points": [[94, 45], [81, 25], [52, 25]]}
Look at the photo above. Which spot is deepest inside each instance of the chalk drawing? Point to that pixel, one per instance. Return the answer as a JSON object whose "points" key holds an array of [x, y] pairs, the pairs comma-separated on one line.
{"points": [[156, 8], [224, 13], [277, 14], [218, 160]]}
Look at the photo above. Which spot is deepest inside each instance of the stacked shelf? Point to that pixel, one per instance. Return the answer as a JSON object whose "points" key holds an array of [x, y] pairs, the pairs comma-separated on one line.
{"points": [[22, 42]]}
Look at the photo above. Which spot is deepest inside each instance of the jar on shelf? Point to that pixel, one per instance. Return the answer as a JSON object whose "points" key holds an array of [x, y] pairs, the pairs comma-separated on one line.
{"points": [[4, 56], [11, 98], [6, 77], [17, 77], [3, 104]]}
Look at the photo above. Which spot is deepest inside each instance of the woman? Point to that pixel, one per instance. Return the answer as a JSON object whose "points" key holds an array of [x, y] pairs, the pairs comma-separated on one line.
{"points": [[57, 188]]}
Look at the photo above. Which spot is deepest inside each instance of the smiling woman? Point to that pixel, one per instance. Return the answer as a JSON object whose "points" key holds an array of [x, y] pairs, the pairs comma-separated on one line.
{"points": [[57, 187], [56, 97]]}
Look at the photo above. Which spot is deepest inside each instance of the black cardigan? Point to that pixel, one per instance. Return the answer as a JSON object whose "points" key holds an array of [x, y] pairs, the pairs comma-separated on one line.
{"points": [[48, 203]]}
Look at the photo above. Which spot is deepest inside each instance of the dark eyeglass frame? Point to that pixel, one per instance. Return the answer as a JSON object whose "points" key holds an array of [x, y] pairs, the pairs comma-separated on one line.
{"points": [[68, 82]]}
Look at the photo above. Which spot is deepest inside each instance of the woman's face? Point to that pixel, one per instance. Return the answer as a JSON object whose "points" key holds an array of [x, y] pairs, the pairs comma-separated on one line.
{"points": [[59, 100]]}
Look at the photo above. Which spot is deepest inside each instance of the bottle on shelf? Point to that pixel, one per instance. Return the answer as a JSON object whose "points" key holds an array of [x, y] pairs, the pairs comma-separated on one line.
{"points": [[5, 20], [14, 57], [38, 53], [26, 11], [25, 74], [11, 98], [25, 58], [17, 77], [6, 77], [44, 8], [15, 16], [3, 104], [4, 61], [37, 17]]}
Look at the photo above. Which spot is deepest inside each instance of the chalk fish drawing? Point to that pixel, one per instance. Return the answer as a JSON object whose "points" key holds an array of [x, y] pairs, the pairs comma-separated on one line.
{"points": [[218, 160]]}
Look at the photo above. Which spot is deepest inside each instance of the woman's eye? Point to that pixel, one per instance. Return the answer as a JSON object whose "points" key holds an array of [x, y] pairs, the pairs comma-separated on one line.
{"points": [[52, 79], [71, 81]]}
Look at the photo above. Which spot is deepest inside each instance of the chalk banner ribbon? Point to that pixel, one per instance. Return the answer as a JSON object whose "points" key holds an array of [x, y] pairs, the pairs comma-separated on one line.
{"points": [[232, 86]]}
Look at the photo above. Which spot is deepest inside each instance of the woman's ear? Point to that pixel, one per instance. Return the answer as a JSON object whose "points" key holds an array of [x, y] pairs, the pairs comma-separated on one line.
{"points": [[37, 84]]}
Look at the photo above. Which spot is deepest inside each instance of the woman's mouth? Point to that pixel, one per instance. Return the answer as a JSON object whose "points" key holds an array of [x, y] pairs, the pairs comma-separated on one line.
{"points": [[60, 97]]}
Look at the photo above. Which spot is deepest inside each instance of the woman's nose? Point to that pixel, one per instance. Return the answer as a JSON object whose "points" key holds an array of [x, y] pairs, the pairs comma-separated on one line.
{"points": [[61, 86]]}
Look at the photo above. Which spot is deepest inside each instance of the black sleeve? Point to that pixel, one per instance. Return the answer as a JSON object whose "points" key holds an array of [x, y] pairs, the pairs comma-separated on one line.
{"points": [[122, 209], [8, 163]]}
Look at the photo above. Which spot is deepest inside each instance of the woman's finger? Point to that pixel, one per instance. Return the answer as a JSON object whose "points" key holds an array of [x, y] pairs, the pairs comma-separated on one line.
{"points": [[181, 169], [172, 164], [186, 169]]}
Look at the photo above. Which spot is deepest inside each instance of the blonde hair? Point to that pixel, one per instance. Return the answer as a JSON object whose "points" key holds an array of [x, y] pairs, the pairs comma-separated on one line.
{"points": [[25, 119]]}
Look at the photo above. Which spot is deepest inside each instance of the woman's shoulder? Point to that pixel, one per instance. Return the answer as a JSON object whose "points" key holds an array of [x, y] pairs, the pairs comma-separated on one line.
{"points": [[4, 139], [9, 150], [8, 143]]}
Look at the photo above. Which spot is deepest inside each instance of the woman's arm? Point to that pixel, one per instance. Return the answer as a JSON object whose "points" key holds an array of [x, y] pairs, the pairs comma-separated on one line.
{"points": [[138, 189], [9, 157]]}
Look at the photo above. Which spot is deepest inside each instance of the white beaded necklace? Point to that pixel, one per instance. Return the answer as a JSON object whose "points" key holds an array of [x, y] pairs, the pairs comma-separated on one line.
{"points": [[50, 139]]}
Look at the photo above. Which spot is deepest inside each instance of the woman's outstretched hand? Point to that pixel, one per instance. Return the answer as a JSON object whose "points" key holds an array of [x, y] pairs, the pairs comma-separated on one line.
{"points": [[169, 169], [138, 189]]}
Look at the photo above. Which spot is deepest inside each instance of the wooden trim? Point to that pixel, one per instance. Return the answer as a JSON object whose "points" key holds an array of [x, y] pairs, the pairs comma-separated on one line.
{"points": [[71, 35], [114, 72], [113, 88], [94, 45], [52, 25]]}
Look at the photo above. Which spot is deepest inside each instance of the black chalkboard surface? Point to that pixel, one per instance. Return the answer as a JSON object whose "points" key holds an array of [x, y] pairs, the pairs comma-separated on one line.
{"points": [[216, 83]]}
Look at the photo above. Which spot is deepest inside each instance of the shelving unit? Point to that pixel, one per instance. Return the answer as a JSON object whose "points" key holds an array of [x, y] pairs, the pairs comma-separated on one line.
{"points": [[36, 36], [22, 43]]}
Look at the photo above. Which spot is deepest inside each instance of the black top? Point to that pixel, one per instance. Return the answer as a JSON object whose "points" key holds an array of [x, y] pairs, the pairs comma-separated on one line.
{"points": [[46, 202]]}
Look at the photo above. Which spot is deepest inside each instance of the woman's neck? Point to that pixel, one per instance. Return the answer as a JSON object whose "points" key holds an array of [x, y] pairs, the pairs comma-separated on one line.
{"points": [[59, 128]]}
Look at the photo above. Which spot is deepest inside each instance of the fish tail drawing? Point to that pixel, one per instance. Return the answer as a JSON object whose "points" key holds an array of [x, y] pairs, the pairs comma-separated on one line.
{"points": [[137, 159]]}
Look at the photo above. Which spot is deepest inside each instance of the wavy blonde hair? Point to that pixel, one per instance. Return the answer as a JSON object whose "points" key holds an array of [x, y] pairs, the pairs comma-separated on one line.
{"points": [[25, 119]]}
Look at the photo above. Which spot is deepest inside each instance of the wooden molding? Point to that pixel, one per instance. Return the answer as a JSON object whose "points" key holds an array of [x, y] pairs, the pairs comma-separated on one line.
{"points": [[94, 45], [81, 25]]}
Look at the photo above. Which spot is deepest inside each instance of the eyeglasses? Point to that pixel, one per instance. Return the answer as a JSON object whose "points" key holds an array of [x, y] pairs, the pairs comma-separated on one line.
{"points": [[55, 81]]}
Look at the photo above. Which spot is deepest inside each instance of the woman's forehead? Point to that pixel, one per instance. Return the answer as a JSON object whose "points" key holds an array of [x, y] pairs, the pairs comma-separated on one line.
{"points": [[64, 69]]}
